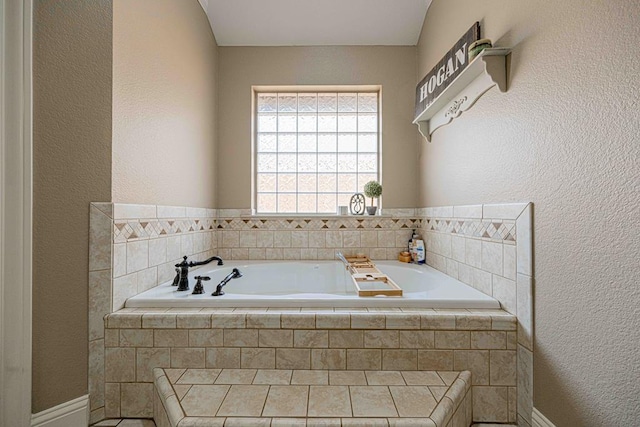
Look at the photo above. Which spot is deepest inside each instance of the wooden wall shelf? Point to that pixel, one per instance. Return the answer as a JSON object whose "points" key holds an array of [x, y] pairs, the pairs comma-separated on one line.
{"points": [[487, 70]]}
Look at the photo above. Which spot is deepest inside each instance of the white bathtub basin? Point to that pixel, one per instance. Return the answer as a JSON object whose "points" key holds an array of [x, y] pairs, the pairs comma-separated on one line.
{"points": [[314, 284]]}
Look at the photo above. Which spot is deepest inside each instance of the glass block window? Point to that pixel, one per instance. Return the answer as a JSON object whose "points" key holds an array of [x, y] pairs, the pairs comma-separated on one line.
{"points": [[314, 150]]}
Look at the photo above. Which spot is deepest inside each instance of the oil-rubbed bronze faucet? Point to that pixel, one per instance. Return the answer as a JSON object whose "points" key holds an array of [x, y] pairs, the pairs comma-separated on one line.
{"points": [[182, 278]]}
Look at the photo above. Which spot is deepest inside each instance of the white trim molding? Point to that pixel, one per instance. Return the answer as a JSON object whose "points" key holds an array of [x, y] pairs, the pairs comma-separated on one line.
{"points": [[74, 413], [15, 211], [539, 420]]}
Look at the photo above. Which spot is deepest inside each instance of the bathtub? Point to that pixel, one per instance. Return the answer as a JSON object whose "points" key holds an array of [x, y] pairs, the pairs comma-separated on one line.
{"points": [[314, 284]]}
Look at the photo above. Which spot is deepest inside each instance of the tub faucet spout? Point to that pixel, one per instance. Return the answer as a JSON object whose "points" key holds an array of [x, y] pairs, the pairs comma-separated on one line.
{"points": [[235, 274]]}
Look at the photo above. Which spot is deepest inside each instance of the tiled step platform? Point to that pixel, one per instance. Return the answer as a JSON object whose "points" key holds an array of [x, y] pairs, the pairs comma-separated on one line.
{"points": [[280, 397]]}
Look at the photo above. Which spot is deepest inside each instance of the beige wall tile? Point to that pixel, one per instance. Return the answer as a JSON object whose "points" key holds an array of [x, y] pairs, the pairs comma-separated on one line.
{"points": [[223, 358], [125, 320], [205, 338], [473, 322], [120, 364], [100, 230], [509, 261], [403, 321], [193, 320], [300, 239], [111, 337], [112, 400], [293, 358], [136, 338], [328, 359], [368, 321], [240, 338], [197, 376], [230, 239], [147, 279], [96, 374], [187, 357], [492, 257], [524, 242], [309, 253], [346, 339], [282, 239], [264, 239], [481, 280], [275, 338], [503, 367], [228, 320], [473, 252], [333, 320], [416, 339], [333, 239], [157, 251], [399, 359], [351, 239], [149, 358], [99, 302], [248, 238], [236, 376], [490, 404], [170, 338], [292, 254], [119, 259], [364, 359], [438, 321], [263, 320], [258, 358], [495, 340], [239, 253], [158, 320], [274, 253], [524, 303], [137, 255], [123, 288], [451, 339], [298, 321], [174, 248], [504, 290], [211, 394], [381, 339], [136, 400], [430, 360], [257, 254], [347, 378], [475, 361], [312, 339]]}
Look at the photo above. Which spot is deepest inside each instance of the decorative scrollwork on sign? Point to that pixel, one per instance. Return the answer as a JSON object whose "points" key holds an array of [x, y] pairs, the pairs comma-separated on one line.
{"points": [[455, 107]]}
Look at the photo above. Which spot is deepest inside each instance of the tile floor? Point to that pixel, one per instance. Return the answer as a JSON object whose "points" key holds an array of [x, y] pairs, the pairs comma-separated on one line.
{"points": [[331, 396]]}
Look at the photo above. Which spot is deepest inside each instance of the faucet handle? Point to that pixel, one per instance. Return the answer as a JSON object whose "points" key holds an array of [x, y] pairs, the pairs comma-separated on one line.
{"points": [[199, 288], [184, 262]]}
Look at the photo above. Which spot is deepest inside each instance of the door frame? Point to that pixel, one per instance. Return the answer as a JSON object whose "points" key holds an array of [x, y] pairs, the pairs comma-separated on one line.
{"points": [[16, 147]]}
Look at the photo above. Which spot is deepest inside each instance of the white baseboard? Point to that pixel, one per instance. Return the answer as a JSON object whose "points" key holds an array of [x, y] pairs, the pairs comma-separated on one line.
{"points": [[539, 420], [74, 413]]}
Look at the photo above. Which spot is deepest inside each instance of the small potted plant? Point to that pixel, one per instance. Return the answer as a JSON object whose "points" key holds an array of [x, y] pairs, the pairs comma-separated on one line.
{"points": [[372, 189]]}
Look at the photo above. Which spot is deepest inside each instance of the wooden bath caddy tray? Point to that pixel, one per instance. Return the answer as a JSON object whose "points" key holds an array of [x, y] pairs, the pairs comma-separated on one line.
{"points": [[369, 281]]}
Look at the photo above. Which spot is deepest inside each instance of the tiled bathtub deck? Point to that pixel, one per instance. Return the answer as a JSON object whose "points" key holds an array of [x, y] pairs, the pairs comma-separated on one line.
{"points": [[271, 397]]}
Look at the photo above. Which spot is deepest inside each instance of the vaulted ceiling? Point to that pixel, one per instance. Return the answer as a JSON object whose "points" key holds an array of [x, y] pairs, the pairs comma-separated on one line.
{"points": [[316, 22]]}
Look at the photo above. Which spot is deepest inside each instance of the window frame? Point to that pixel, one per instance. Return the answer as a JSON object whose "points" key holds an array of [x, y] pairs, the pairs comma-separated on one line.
{"points": [[298, 89]]}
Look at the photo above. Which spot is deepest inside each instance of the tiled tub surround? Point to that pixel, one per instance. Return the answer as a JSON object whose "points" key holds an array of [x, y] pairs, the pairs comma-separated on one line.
{"points": [[480, 341], [245, 237], [133, 248], [265, 397], [490, 247]]}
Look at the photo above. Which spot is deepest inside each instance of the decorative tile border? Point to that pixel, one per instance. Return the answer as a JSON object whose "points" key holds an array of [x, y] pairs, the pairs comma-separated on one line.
{"points": [[485, 229]]}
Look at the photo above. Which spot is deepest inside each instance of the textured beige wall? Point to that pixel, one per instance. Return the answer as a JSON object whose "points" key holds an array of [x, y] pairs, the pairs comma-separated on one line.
{"points": [[565, 136], [392, 67], [164, 103], [72, 167]]}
